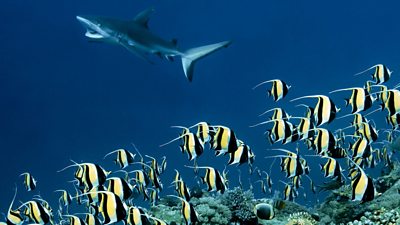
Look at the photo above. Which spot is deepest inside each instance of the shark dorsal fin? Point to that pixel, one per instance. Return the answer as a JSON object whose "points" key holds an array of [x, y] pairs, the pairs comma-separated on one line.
{"points": [[143, 17], [174, 41]]}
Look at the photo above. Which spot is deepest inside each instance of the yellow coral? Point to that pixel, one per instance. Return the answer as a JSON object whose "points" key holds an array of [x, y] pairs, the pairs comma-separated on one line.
{"points": [[301, 218]]}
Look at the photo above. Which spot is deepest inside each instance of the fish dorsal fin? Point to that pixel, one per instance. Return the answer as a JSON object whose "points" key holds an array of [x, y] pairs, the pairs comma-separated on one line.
{"points": [[143, 17]]}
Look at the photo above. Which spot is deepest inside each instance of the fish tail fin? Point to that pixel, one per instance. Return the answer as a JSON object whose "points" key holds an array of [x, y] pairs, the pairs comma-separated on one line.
{"points": [[388, 120], [190, 56], [382, 106], [347, 101], [321, 166], [269, 93]]}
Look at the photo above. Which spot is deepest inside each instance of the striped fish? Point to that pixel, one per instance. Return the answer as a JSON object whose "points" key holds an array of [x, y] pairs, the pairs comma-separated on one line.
{"points": [[190, 143], [392, 103], [367, 131], [158, 221], [360, 99], [243, 154], [291, 163], [124, 157], [289, 194], [381, 74], [363, 188], [111, 207], [305, 128], [120, 187], [36, 212], [394, 120], [324, 111], [278, 90], [204, 132], [182, 190], [281, 130], [65, 198], [74, 220], [14, 217], [331, 168], [29, 181], [213, 179], [136, 216], [90, 219], [361, 148], [324, 141], [278, 113], [89, 174], [224, 140], [188, 212]]}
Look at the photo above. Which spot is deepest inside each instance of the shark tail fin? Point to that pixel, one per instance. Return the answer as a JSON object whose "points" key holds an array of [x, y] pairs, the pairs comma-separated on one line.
{"points": [[190, 56]]}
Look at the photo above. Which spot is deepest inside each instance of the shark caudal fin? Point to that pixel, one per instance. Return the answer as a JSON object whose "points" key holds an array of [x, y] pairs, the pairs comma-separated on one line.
{"points": [[190, 56]]}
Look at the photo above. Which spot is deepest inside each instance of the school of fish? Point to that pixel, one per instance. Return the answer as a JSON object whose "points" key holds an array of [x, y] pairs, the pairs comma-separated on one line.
{"points": [[109, 196]]}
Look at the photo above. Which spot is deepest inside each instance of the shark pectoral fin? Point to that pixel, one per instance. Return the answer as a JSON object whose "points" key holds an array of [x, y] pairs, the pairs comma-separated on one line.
{"points": [[93, 35], [143, 17], [137, 52]]}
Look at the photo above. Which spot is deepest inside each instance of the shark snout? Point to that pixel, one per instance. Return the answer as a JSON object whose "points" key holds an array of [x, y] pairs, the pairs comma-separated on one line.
{"points": [[93, 27], [88, 22], [84, 20]]}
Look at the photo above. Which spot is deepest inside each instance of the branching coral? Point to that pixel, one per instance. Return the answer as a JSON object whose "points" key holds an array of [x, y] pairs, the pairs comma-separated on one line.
{"points": [[241, 205], [211, 211], [167, 213]]}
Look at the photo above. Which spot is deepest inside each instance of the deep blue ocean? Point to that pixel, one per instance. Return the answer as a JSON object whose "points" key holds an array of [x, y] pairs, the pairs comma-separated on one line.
{"points": [[64, 98]]}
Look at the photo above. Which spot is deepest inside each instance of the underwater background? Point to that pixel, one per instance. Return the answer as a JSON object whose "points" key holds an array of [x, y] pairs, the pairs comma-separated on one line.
{"points": [[65, 98]]}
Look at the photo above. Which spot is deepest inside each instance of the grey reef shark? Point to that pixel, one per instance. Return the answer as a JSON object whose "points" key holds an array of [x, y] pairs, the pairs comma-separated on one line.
{"points": [[135, 36]]}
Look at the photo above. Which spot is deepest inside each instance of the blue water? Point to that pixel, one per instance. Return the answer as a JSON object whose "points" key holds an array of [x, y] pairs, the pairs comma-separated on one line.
{"points": [[65, 98]]}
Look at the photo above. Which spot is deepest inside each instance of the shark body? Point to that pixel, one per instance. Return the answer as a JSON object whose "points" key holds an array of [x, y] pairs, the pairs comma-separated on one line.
{"points": [[135, 36]]}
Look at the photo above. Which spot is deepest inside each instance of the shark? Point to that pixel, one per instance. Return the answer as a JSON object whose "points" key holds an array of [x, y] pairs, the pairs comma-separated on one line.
{"points": [[135, 36]]}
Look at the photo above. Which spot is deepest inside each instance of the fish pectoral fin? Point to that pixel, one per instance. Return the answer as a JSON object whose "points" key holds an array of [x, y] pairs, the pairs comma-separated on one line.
{"points": [[143, 17], [137, 52]]}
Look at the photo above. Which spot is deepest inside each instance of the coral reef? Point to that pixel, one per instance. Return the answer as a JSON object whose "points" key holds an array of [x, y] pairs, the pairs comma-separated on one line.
{"points": [[301, 218], [236, 206], [282, 215], [241, 204], [379, 217], [170, 214], [339, 208], [211, 211], [384, 182], [233, 207]]}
